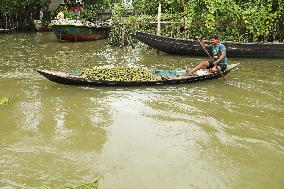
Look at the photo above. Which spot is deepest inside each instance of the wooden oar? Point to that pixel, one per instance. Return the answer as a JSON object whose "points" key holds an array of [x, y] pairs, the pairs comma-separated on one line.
{"points": [[218, 67]]}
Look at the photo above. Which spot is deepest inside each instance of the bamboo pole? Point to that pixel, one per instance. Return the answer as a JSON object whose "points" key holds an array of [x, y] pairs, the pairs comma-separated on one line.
{"points": [[123, 35], [184, 19], [159, 20], [6, 21], [17, 22]]}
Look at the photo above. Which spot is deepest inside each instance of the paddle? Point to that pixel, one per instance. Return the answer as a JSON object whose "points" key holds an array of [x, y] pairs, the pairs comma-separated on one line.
{"points": [[218, 67]]}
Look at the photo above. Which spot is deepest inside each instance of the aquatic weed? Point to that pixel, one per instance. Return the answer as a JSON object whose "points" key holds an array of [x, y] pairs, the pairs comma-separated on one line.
{"points": [[4, 100]]}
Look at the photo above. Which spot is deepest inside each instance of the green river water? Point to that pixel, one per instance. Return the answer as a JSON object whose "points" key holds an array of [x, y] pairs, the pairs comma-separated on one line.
{"points": [[208, 135]]}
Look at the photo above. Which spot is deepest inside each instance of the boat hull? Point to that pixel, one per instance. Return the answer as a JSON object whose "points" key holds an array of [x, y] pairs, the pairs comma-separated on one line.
{"points": [[44, 29], [75, 79], [41, 28], [192, 47], [79, 33], [6, 30]]}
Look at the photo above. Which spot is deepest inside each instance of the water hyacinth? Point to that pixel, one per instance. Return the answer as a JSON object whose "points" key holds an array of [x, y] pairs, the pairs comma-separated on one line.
{"points": [[4, 100]]}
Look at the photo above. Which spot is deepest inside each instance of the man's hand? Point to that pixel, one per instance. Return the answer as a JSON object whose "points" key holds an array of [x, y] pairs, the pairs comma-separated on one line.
{"points": [[199, 38]]}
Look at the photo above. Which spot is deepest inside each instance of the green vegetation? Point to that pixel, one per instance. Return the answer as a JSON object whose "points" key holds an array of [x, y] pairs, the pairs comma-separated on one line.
{"points": [[13, 7], [236, 20], [260, 20], [4, 100], [232, 20], [118, 74], [123, 26]]}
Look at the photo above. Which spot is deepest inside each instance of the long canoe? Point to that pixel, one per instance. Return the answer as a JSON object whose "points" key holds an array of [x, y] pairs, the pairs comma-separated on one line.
{"points": [[191, 47], [164, 77]]}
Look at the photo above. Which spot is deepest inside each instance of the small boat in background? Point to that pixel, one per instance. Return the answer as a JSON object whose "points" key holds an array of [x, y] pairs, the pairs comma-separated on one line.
{"points": [[193, 48], [79, 30], [163, 77], [7, 30], [4, 30], [42, 28]]}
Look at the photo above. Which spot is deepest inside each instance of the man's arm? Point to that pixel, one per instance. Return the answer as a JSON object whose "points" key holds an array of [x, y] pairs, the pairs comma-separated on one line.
{"points": [[220, 58]]}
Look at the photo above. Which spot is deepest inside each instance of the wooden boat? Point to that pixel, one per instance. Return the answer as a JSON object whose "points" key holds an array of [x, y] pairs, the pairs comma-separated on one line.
{"points": [[77, 30], [191, 47], [7, 30], [41, 28], [165, 77], [4, 30]]}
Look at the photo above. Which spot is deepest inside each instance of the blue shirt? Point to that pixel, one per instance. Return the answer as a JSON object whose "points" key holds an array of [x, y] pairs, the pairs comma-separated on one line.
{"points": [[216, 52]]}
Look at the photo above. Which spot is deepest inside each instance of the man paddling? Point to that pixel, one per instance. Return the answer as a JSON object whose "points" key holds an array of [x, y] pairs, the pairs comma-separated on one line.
{"points": [[217, 54]]}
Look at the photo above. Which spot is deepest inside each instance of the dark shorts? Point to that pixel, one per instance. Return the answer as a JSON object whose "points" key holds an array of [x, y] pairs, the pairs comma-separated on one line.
{"points": [[211, 65]]}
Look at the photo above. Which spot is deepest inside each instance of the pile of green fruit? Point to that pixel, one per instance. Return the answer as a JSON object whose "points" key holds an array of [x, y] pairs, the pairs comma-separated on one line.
{"points": [[118, 74]]}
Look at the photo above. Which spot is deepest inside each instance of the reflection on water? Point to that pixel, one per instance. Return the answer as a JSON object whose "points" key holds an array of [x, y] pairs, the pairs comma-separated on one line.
{"points": [[213, 134]]}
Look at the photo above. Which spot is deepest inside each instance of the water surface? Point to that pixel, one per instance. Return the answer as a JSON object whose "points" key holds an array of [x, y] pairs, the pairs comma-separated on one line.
{"points": [[213, 134]]}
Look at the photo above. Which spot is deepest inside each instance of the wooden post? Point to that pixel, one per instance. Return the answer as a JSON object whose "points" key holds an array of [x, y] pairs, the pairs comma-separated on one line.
{"points": [[219, 36], [17, 25], [159, 20], [21, 24], [184, 18], [123, 33], [40, 14], [6, 21]]}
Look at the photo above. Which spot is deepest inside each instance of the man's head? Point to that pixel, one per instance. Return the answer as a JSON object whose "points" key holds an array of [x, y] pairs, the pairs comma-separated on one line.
{"points": [[214, 39]]}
